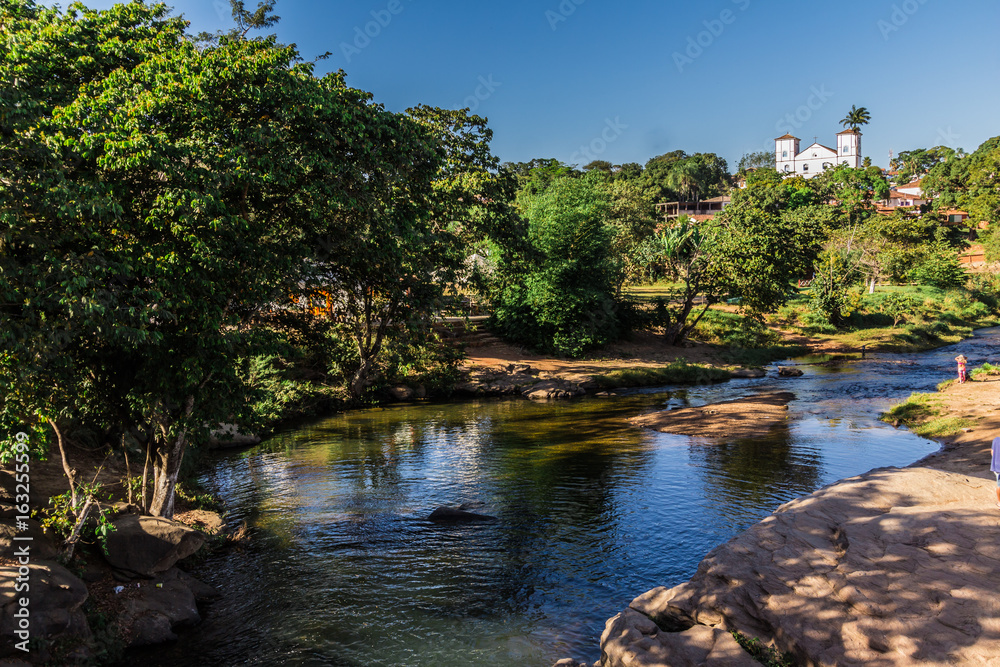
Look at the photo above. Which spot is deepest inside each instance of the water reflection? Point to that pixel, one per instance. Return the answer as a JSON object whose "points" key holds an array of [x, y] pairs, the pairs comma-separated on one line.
{"points": [[346, 570]]}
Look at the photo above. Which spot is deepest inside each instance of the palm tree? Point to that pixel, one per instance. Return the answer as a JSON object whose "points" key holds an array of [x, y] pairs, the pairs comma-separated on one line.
{"points": [[856, 117]]}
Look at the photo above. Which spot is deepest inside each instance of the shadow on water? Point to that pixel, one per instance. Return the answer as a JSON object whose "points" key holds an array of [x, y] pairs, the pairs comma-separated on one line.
{"points": [[344, 568]]}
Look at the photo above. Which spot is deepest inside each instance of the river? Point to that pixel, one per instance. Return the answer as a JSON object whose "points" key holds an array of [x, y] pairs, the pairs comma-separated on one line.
{"points": [[344, 568]]}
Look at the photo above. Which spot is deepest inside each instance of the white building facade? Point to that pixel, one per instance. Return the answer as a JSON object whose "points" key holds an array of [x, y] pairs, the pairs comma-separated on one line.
{"points": [[788, 159]]}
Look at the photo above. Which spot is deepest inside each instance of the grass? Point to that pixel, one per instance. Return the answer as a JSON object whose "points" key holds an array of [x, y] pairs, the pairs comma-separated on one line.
{"points": [[984, 371], [939, 317], [943, 426], [921, 413], [765, 655], [679, 372], [914, 410]]}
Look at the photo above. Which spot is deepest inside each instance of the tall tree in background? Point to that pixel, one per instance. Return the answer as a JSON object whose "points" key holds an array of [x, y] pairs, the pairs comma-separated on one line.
{"points": [[856, 117], [755, 160]]}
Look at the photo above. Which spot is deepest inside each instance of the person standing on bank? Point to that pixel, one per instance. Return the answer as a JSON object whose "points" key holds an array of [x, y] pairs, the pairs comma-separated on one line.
{"points": [[962, 361], [995, 465]]}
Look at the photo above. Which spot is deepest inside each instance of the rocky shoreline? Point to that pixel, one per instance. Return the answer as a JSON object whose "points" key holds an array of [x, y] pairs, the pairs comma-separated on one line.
{"points": [[133, 584], [894, 567]]}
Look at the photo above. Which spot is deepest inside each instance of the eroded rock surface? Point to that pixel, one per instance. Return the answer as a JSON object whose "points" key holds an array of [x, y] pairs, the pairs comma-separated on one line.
{"points": [[893, 567]]}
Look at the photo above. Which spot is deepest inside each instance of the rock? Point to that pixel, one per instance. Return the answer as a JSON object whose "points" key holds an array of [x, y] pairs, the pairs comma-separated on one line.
{"points": [[632, 639], [887, 568], [749, 373], [204, 520], [420, 391], [230, 435], [147, 545], [449, 514], [570, 662], [518, 368], [42, 545], [547, 390], [467, 389], [789, 372], [162, 605], [55, 597], [149, 629], [401, 393]]}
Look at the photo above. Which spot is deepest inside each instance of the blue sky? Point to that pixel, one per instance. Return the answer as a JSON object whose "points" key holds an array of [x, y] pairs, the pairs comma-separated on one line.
{"points": [[626, 81]]}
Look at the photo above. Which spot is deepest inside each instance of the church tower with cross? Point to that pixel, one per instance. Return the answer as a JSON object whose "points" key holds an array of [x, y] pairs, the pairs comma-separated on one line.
{"points": [[788, 159]]}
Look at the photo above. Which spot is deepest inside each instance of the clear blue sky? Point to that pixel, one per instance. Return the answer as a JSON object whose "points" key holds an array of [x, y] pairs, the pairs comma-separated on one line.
{"points": [[718, 76]]}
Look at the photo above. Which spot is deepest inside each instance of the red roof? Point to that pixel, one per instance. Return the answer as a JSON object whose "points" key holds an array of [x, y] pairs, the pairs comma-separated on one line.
{"points": [[850, 130], [787, 136]]}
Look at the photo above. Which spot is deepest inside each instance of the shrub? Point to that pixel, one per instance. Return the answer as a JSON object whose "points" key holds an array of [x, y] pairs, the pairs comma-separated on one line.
{"points": [[939, 267]]}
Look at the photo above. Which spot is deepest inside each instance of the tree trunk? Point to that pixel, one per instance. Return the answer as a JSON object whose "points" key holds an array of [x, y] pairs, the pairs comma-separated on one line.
{"points": [[70, 476], [145, 475], [167, 464], [167, 467]]}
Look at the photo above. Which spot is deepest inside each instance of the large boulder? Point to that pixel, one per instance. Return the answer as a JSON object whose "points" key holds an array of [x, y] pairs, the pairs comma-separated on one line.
{"points": [[154, 609], [54, 598], [42, 545], [146, 545]]}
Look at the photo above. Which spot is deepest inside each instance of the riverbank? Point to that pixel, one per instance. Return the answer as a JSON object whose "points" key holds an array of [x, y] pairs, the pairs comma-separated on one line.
{"points": [[130, 589], [894, 567]]}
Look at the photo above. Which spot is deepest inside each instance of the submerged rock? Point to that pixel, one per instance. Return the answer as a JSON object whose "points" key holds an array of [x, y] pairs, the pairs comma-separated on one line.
{"points": [[451, 514], [789, 372]]}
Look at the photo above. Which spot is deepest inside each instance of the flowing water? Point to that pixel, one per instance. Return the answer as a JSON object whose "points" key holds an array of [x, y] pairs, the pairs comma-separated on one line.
{"points": [[344, 568]]}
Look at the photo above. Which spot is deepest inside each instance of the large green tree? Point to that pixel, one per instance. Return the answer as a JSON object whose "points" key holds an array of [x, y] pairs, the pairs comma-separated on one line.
{"points": [[158, 198]]}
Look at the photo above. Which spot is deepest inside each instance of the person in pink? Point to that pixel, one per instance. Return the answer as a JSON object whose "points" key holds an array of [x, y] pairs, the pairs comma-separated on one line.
{"points": [[962, 361], [995, 465]]}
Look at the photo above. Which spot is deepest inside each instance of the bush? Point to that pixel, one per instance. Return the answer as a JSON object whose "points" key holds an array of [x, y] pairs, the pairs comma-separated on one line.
{"points": [[939, 267]]}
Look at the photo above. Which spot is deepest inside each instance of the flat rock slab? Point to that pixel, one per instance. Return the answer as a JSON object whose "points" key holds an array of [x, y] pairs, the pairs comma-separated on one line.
{"points": [[743, 418], [893, 567]]}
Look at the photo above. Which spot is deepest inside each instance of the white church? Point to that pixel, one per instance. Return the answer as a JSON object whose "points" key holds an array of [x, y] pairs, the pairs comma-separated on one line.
{"points": [[788, 159]]}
